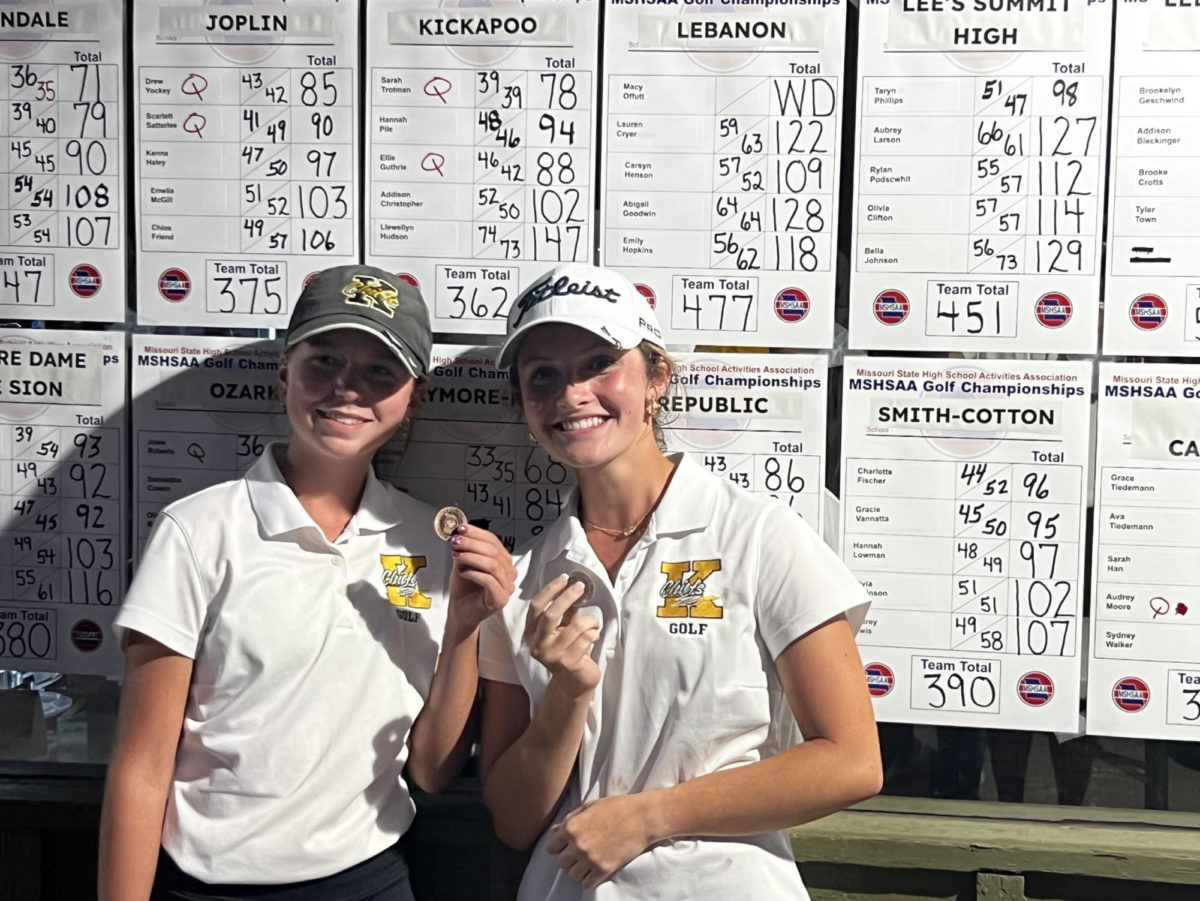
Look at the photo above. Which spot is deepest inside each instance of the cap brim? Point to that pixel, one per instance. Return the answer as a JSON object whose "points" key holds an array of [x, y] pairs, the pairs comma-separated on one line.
{"points": [[617, 336], [319, 326]]}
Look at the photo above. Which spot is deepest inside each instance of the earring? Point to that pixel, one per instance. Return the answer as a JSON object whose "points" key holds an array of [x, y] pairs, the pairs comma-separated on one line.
{"points": [[652, 407], [532, 440]]}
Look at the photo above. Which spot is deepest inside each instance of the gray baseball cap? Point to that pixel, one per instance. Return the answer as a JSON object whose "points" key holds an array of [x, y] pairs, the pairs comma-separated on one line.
{"points": [[371, 300]]}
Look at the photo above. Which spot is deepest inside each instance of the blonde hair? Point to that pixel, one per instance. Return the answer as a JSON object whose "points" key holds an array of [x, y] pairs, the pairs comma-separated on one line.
{"points": [[659, 364]]}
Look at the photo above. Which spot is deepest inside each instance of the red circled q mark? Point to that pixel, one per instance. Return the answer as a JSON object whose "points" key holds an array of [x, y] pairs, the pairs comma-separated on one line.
{"points": [[194, 124], [195, 85], [1162, 606], [438, 87], [433, 162]]}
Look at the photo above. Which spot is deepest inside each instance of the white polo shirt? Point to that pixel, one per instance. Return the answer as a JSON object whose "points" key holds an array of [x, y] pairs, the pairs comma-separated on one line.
{"points": [[721, 582], [312, 659]]}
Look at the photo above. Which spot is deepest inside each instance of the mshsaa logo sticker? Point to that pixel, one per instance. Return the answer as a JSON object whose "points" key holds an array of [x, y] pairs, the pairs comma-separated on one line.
{"points": [[1148, 312], [880, 679], [1035, 689], [1053, 310], [791, 305], [85, 280], [1131, 694], [891, 307], [174, 285]]}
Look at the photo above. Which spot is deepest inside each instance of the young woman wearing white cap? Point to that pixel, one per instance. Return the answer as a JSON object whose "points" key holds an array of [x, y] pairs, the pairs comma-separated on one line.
{"points": [[639, 688], [281, 638]]}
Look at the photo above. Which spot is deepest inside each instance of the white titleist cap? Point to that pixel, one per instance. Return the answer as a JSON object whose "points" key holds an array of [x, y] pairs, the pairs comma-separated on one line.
{"points": [[601, 301]]}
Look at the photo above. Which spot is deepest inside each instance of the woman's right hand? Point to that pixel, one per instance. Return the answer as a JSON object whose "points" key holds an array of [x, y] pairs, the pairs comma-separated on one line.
{"points": [[560, 638]]}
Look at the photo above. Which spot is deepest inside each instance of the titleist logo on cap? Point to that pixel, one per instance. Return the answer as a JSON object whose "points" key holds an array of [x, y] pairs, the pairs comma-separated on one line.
{"points": [[544, 290]]}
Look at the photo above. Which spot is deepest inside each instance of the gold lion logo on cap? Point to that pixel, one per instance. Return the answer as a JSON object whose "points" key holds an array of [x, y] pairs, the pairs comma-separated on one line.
{"points": [[369, 291]]}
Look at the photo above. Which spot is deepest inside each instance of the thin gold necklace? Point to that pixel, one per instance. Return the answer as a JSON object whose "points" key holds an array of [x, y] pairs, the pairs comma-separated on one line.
{"points": [[619, 533]]}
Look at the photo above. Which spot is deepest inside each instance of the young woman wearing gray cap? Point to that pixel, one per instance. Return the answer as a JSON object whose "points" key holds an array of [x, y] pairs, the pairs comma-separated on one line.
{"points": [[282, 634], [639, 689]]}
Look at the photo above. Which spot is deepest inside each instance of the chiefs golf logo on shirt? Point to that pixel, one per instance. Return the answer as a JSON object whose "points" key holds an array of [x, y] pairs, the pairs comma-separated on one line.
{"points": [[686, 592], [400, 580], [369, 291]]}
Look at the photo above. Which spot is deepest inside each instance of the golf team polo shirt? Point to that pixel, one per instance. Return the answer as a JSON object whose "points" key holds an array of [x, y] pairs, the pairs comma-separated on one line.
{"points": [[721, 582], [312, 659]]}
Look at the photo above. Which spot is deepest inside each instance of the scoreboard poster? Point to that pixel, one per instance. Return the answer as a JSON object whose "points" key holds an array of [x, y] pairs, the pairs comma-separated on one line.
{"points": [[62, 500], [1152, 292], [480, 148], [964, 490], [62, 238], [720, 166], [247, 146], [468, 447], [758, 420], [979, 175], [204, 409], [1143, 666]]}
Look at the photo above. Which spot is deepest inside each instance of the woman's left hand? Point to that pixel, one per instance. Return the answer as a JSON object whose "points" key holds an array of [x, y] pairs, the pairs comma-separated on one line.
{"points": [[600, 837], [483, 578]]}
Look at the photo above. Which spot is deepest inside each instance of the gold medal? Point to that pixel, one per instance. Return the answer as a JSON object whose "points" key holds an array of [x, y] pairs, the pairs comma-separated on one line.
{"points": [[447, 520]]}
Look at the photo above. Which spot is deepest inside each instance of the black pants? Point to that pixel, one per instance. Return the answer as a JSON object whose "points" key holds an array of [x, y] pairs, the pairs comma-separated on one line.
{"points": [[383, 877]]}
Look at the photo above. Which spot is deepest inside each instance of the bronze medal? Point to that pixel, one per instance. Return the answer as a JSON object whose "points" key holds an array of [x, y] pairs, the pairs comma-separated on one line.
{"points": [[589, 587], [446, 522]]}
